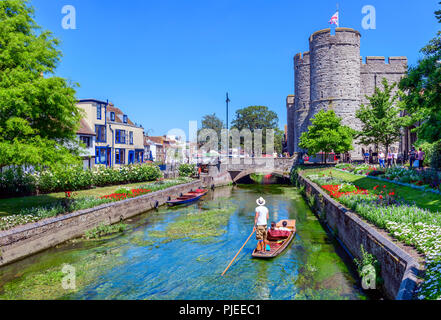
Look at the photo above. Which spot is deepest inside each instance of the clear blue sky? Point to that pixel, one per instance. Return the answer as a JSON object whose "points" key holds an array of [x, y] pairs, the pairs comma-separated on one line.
{"points": [[169, 61]]}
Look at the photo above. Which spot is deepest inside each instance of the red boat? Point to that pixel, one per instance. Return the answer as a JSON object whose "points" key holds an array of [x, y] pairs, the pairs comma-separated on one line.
{"points": [[189, 197]]}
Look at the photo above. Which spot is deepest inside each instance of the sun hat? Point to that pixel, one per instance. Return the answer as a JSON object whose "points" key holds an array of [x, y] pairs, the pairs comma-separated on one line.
{"points": [[261, 201]]}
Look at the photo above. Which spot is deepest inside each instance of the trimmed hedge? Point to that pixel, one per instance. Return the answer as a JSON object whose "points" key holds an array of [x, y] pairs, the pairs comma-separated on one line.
{"points": [[17, 182]]}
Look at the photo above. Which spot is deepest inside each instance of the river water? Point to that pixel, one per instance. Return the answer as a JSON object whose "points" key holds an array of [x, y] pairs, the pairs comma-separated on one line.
{"points": [[132, 266]]}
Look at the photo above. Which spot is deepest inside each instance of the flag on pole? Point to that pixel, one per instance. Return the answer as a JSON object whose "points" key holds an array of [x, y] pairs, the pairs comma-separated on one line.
{"points": [[334, 19]]}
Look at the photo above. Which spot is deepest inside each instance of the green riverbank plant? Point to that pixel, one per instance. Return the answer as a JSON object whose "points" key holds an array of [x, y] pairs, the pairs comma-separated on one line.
{"points": [[104, 230], [200, 225], [365, 265]]}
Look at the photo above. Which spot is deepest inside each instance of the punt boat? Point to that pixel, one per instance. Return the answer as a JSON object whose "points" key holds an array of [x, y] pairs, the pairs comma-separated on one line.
{"points": [[277, 245]]}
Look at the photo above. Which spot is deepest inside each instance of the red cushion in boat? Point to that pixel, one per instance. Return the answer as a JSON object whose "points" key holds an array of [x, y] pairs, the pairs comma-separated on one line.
{"points": [[278, 234]]}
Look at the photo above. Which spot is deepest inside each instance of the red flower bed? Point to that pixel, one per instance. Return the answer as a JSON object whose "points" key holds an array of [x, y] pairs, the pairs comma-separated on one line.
{"points": [[334, 192], [123, 196]]}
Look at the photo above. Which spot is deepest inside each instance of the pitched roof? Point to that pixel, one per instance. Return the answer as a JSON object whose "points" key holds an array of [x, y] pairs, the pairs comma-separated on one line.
{"points": [[85, 129], [118, 114], [158, 140]]}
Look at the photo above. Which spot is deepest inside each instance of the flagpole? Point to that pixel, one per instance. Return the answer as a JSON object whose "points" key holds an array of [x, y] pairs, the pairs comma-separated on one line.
{"points": [[338, 11]]}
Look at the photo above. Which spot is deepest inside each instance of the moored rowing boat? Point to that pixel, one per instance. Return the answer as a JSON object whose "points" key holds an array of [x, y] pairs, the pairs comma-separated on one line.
{"points": [[188, 197]]}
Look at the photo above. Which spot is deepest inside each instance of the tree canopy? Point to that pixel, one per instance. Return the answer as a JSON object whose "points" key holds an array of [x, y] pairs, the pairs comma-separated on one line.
{"points": [[211, 121], [381, 118], [423, 90], [327, 134], [255, 117], [38, 113], [259, 117]]}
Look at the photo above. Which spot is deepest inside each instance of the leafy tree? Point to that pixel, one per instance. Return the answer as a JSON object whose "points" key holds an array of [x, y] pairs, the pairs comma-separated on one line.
{"points": [[255, 117], [381, 119], [259, 117], [423, 94], [279, 136], [211, 121], [422, 85], [38, 113], [327, 134]]}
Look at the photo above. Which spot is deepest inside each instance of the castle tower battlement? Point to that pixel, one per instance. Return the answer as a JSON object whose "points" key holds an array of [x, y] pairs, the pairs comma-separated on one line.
{"points": [[335, 72], [333, 75]]}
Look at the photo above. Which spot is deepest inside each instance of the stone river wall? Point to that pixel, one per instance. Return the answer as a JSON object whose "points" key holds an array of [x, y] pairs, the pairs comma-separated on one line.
{"points": [[400, 264], [29, 239]]}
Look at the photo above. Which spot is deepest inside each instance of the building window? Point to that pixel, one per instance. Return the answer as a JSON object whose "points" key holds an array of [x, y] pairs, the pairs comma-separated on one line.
{"points": [[112, 116], [100, 155], [85, 140], [131, 137], [120, 156], [120, 136], [98, 111], [125, 118], [100, 133]]}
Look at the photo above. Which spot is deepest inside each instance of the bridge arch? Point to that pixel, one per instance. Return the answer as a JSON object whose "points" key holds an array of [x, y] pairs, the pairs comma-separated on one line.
{"points": [[247, 172]]}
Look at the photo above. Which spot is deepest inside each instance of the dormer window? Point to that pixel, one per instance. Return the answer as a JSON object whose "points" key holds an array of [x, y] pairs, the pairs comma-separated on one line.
{"points": [[125, 118], [112, 116]]}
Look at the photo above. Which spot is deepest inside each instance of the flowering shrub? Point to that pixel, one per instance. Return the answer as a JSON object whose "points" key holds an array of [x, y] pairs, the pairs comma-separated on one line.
{"points": [[17, 182], [187, 170], [363, 169]]}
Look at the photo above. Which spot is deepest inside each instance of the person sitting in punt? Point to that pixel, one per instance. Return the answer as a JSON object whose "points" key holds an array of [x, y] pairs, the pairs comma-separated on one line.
{"points": [[284, 228], [275, 234]]}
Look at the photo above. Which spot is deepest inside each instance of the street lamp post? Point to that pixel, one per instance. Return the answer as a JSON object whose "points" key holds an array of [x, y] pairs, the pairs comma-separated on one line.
{"points": [[228, 134]]}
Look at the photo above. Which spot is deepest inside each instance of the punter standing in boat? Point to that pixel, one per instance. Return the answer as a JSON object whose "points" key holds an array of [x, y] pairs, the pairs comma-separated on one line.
{"points": [[260, 224]]}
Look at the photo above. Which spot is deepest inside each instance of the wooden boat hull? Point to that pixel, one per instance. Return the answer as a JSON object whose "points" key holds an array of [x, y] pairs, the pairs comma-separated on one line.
{"points": [[187, 198], [277, 249]]}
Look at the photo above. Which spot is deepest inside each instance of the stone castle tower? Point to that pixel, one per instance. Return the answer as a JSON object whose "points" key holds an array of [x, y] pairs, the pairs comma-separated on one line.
{"points": [[332, 75]]}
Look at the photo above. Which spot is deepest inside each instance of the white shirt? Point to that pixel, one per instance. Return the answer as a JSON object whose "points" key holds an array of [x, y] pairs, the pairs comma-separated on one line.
{"points": [[283, 229], [261, 219]]}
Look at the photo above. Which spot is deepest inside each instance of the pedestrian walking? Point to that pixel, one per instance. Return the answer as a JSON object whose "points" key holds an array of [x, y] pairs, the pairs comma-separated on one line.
{"points": [[381, 159], [412, 157], [395, 158], [366, 157], [389, 159], [421, 156]]}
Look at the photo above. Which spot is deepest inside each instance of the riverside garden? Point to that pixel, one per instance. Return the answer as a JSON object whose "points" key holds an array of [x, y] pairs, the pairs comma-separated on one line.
{"points": [[170, 253], [404, 202]]}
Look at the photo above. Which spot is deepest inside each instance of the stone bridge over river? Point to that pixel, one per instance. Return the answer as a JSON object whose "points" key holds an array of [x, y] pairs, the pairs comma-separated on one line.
{"points": [[232, 170]]}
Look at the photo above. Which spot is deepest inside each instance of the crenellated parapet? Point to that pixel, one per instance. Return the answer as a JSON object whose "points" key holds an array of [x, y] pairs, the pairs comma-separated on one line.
{"points": [[381, 65]]}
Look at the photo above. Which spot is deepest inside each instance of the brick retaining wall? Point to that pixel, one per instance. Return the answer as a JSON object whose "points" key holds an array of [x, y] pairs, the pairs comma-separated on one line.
{"points": [[29, 239], [400, 264]]}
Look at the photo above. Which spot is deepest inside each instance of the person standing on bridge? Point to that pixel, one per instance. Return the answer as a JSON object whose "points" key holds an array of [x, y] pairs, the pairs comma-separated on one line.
{"points": [[260, 224]]}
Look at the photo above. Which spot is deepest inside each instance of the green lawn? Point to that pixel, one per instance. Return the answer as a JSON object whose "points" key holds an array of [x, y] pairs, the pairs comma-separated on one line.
{"points": [[14, 205], [427, 200]]}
